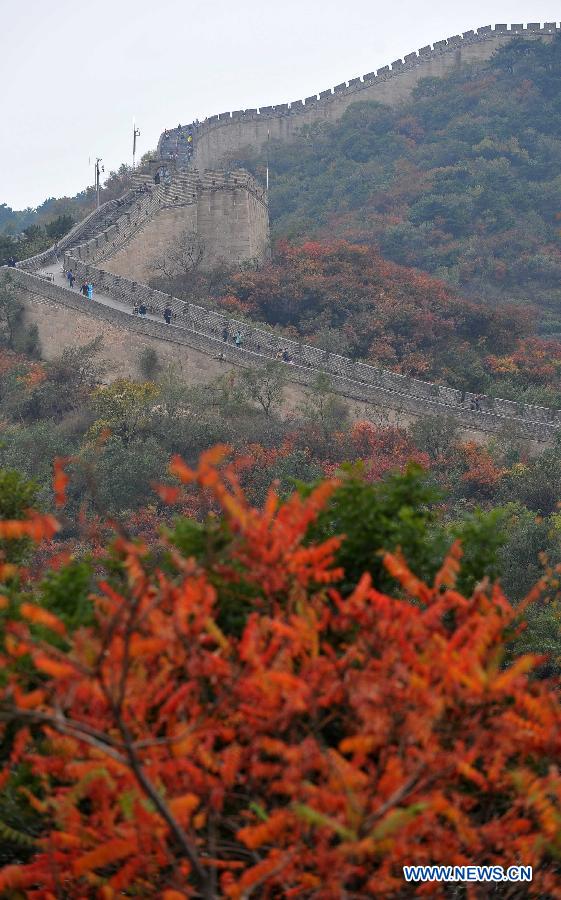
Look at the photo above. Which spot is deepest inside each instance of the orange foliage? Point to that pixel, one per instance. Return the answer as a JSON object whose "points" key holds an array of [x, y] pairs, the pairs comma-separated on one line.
{"points": [[482, 473], [330, 743], [383, 449]]}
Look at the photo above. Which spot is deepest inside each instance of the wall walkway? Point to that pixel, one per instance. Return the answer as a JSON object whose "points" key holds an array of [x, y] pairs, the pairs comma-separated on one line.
{"points": [[104, 234], [230, 135]]}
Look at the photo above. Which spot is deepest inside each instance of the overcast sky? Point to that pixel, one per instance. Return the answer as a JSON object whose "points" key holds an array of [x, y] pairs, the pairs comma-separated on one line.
{"points": [[73, 73]]}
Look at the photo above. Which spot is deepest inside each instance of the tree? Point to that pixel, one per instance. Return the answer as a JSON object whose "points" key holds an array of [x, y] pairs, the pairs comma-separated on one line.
{"points": [[148, 363], [331, 742], [322, 408], [17, 495], [434, 434], [58, 227], [265, 386], [124, 408], [182, 258]]}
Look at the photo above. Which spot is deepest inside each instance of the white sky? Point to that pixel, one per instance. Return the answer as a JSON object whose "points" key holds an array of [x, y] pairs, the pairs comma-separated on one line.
{"points": [[74, 73]]}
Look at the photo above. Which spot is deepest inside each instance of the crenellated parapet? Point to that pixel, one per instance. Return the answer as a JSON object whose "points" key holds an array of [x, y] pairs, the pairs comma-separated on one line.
{"points": [[228, 210], [203, 329], [228, 133]]}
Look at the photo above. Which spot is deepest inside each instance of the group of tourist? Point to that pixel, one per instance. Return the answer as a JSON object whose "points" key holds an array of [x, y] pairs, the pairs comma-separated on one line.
{"points": [[189, 138], [283, 355], [86, 287], [140, 309], [238, 336]]}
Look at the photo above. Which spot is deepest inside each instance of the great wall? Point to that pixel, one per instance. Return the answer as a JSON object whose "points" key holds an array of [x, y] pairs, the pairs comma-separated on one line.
{"points": [[188, 188]]}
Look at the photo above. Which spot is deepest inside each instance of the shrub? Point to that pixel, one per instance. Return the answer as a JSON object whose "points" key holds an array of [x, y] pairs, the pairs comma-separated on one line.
{"points": [[335, 740]]}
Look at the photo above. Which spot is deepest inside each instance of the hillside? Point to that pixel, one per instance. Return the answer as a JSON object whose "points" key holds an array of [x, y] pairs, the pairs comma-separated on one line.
{"points": [[24, 233], [348, 299], [462, 181]]}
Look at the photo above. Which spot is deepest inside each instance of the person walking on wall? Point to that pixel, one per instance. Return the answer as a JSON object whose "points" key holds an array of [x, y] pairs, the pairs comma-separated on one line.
{"points": [[238, 338], [225, 333], [167, 315], [89, 290], [84, 289], [142, 310], [12, 262]]}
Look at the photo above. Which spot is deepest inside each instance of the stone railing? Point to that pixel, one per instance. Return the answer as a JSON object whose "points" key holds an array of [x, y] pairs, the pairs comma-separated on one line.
{"points": [[355, 85], [204, 330], [115, 236], [184, 189], [191, 317], [91, 222]]}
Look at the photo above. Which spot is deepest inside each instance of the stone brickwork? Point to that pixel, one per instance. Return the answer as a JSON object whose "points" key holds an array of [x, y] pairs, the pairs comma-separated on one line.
{"points": [[227, 211], [232, 134], [114, 246], [203, 330]]}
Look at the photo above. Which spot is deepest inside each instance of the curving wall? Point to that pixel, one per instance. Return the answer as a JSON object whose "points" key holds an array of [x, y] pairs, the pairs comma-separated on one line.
{"points": [[107, 233], [230, 134]]}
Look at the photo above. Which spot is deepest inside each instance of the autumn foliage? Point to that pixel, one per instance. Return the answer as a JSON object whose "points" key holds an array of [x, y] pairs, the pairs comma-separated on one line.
{"points": [[347, 298], [313, 754]]}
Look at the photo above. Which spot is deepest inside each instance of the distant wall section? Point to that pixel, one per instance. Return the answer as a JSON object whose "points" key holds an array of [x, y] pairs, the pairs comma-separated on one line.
{"points": [[231, 134], [225, 213], [196, 348]]}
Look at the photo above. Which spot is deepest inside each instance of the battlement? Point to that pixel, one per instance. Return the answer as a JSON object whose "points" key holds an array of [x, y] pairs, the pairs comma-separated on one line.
{"points": [[229, 209], [228, 135], [424, 55]]}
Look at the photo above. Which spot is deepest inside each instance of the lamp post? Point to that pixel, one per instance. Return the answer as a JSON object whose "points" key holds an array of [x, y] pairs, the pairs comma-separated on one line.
{"points": [[268, 143], [135, 134], [97, 178]]}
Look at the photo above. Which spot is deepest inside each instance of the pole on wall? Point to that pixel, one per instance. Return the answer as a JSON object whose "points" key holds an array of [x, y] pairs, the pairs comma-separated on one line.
{"points": [[135, 134], [267, 172], [97, 177]]}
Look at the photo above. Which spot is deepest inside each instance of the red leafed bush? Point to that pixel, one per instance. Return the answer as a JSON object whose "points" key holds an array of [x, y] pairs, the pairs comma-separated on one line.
{"points": [[313, 755]]}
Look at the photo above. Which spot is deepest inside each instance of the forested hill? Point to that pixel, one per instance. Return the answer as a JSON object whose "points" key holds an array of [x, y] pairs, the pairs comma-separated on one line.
{"points": [[26, 232], [464, 181]]}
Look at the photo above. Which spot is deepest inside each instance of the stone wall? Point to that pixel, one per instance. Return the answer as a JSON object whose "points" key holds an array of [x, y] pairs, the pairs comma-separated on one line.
{"points": [[231, 216], [227, 211], [232, 134], [66, 319], [137, 258]]}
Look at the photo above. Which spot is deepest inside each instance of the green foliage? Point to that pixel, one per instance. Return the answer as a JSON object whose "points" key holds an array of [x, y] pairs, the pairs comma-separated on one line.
{"points": [[65, 592], [483, 535], [537, 483], [461, 181], [58, 227], [148, 363], [17, 495], [396, 512], [20, 824]]}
